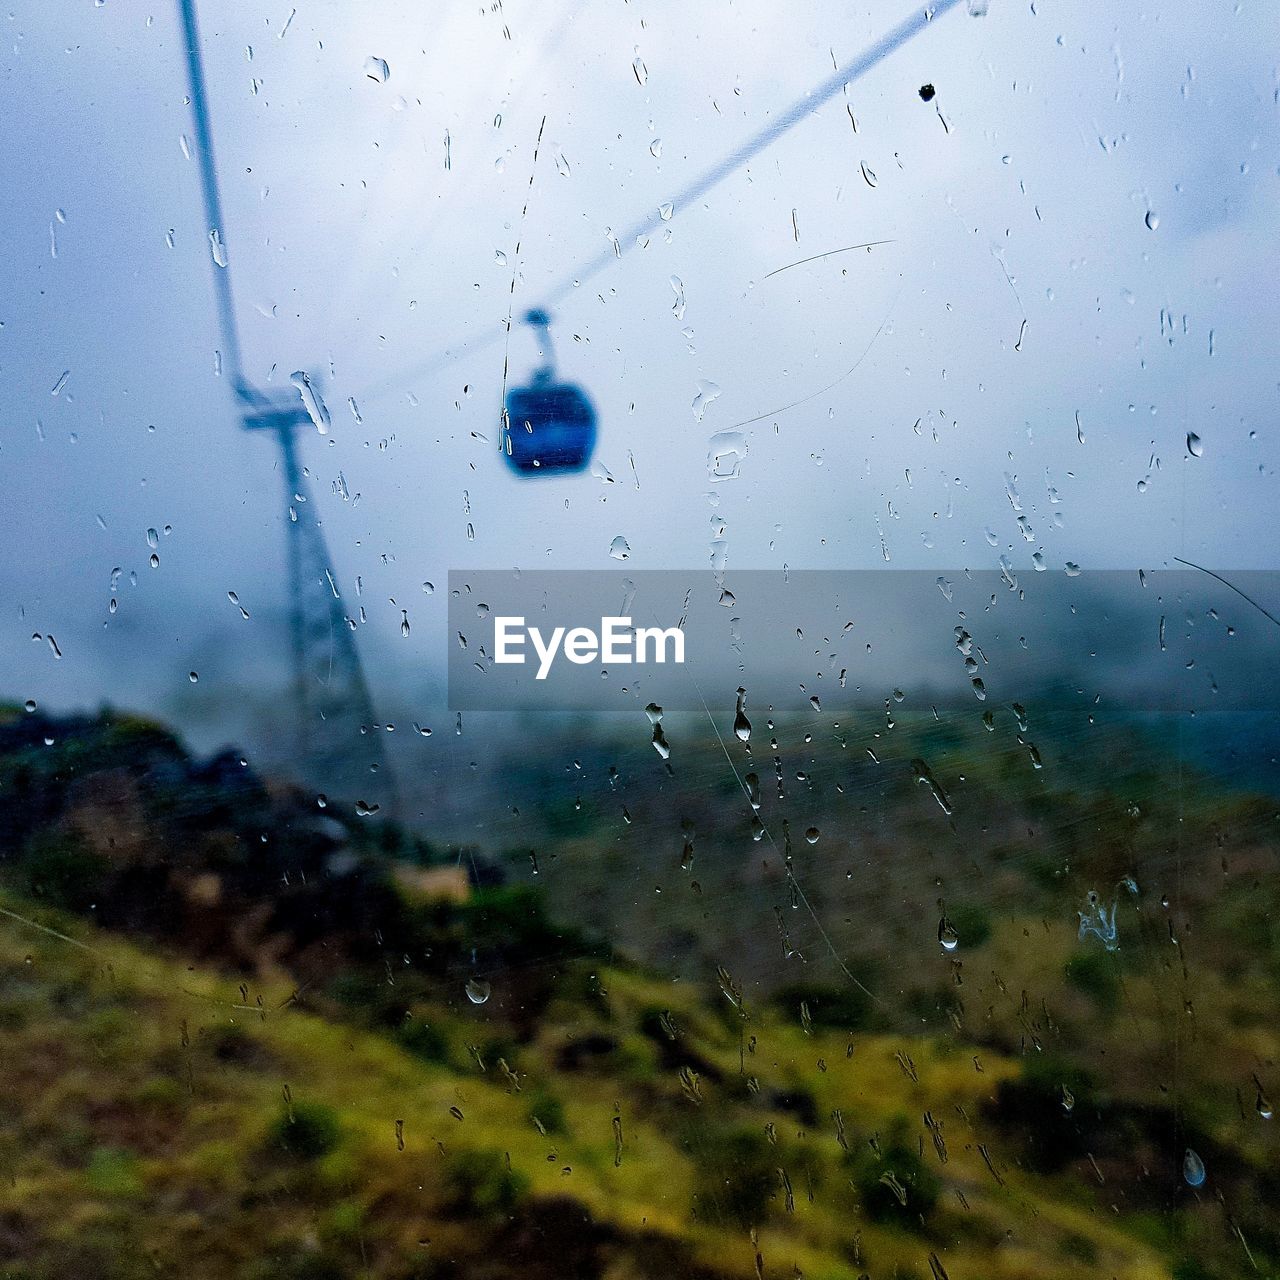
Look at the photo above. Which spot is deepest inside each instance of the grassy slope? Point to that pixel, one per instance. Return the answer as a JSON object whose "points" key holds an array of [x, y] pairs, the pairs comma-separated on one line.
{"points": [[142, 1102]]}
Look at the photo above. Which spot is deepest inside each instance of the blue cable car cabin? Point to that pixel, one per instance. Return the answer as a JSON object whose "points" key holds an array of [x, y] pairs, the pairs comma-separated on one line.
{"points": [[550, 426]]}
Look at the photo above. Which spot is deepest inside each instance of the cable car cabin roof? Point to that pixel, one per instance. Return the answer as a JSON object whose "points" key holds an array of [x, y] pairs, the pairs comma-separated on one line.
{"points": [[551, 427]]}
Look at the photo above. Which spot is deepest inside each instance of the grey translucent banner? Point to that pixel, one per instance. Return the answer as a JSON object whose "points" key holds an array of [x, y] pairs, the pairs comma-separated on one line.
{"points": [[825, 640]]}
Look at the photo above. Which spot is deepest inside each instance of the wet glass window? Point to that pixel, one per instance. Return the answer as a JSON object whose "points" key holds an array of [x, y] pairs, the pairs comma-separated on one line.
{"points": [[639, 641]]}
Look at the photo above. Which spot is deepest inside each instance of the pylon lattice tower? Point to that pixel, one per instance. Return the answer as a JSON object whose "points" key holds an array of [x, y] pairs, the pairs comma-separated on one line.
{"points": [[337, 740]]}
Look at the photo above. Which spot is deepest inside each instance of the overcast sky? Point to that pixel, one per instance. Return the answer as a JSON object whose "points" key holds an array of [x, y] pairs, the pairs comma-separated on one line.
{"points": [[1108, 177]]}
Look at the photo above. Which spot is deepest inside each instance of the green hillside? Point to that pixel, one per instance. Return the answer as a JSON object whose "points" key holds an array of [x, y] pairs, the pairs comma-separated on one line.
{"points": [[233, 1043], [161, 1118]]}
